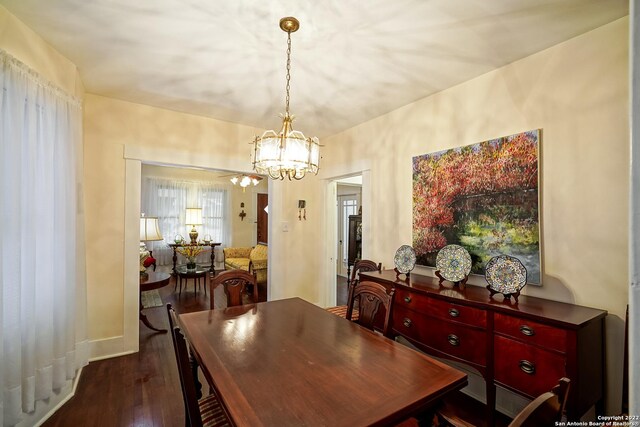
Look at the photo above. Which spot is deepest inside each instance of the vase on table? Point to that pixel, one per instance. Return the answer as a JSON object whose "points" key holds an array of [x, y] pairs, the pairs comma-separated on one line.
{"points": [[191, 264]]}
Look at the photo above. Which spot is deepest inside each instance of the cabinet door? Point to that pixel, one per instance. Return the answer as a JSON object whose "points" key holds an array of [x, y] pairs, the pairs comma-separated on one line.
{"points": [[355, 239], [347, 207]]}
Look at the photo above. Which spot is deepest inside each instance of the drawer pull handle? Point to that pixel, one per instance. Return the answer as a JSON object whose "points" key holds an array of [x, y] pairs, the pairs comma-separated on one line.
{"points": [[526, 330], [406, 322], [407, 299], [453, 312], [527, 367], [453, 340]]}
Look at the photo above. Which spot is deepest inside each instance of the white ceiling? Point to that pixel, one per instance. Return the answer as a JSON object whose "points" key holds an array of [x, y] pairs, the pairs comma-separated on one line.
{"points": [[352, 60]]}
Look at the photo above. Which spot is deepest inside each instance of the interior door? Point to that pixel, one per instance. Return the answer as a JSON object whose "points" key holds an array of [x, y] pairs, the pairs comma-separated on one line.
{"points": [[347, 205], [262, 231]]}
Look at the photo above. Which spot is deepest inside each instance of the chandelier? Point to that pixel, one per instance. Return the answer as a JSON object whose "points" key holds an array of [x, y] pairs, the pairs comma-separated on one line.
{"points": [[287, 153], [246, 180]]}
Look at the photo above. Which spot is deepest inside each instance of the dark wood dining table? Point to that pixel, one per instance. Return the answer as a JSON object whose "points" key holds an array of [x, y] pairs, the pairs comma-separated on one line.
{"points": [[291, 363]]}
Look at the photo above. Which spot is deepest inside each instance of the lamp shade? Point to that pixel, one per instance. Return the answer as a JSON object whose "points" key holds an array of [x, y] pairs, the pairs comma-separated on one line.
{"points": [[193, 216], [149, 229]]}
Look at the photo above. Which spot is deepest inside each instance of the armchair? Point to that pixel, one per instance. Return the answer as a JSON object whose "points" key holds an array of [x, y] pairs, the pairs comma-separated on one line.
{"points": [[253, 260]]}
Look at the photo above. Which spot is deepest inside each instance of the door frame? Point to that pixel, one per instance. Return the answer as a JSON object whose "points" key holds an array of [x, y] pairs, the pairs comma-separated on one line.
{"points": [[134, 156], [328, 294], [341, 263]]}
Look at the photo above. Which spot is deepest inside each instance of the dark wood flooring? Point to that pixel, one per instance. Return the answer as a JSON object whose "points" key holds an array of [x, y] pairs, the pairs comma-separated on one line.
{"points": [[143, 389], [342, 290]]}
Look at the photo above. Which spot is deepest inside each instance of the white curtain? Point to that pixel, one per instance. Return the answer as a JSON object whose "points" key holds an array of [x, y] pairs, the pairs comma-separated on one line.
{"points": [[42, 281], [168, 199]]}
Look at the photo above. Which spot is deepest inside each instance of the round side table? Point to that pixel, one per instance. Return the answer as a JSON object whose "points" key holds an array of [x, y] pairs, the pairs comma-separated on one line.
{"points": [[196, 275], [152, 280]]}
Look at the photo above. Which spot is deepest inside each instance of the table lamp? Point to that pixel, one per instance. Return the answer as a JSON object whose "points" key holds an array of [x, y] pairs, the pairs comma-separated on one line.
{"points": [[149, 231], [193, 217]]}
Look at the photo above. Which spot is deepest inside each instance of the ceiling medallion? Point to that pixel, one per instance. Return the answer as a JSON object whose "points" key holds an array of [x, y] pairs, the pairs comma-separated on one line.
{"points": [[287, 153]]}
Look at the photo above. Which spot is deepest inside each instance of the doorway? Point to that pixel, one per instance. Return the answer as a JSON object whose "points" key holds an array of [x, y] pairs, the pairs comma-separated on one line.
{"points": [[347, 208], [262, 218], [349, 204]]}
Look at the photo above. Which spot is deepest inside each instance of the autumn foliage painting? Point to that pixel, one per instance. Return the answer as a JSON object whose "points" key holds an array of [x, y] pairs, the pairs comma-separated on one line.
{"points": [[483, 197]]}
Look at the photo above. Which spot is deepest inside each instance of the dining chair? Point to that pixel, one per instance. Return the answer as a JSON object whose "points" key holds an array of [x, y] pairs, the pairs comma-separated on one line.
{"points": [[198, 412], [361, 265], [236, 283], [370, 296], [545, 410]]}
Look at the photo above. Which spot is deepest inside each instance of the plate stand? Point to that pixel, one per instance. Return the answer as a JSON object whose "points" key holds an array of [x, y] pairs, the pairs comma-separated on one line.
{"points": [[507, 297], [460, 283], [398, 273]]}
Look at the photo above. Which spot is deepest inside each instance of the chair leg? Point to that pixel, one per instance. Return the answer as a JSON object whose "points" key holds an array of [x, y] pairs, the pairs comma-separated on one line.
{"points": [[194, 370]]}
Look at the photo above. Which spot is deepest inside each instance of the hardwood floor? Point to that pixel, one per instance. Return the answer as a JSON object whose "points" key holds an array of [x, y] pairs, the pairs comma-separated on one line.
{"points": [[341, 290], [141, 389]]}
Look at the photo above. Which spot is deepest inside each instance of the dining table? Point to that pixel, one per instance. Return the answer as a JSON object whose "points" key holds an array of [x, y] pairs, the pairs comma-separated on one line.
{"points": [[291, 363]]}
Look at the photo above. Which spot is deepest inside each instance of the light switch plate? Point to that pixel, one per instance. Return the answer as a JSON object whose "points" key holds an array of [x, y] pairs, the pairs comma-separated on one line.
{"points": [[285, 226]]}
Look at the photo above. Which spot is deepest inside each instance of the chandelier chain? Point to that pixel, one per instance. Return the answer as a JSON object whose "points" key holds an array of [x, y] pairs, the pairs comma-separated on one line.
{"points": [[288, 70]]}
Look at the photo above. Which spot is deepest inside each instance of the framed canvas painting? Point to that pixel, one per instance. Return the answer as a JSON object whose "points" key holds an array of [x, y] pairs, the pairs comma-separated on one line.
{"points": [[483, 197]]}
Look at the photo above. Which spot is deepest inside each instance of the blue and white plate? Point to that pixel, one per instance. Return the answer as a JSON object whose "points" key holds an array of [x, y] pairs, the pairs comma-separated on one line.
{"points": [[454, 263], [505, 274], [405, 259]]}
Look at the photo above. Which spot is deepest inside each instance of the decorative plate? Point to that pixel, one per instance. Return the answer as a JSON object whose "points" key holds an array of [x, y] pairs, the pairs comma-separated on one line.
{"points": [[405, 259], [505, 274], [453, 262]]}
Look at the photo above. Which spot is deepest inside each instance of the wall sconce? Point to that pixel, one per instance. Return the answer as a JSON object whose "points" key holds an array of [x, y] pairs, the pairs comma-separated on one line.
{"points": [[302, 211], [242, 213]]}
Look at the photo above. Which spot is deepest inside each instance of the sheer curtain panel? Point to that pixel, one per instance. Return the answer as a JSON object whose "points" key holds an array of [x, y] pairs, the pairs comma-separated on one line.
{"points": [[168, 199], [43, 335]]}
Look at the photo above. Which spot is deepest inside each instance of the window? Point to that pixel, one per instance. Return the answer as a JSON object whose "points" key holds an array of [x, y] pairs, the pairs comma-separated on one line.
{"points": [[168, 199]]}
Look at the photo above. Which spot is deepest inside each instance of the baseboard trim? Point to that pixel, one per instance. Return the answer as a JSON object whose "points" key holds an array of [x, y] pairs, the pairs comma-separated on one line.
{"points": [[64, 400], [108, 348]]}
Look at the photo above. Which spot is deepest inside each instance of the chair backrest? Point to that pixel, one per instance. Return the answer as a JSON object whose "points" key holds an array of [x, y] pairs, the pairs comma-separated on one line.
{"points": [[361, 265], [546, 409], [370, 296], [235, 284], [189, 394]]}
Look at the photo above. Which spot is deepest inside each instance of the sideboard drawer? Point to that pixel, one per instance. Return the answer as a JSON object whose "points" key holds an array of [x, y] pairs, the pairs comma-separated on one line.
{"points": [[411, 324], [526, 368], [458, 313], [453, 339], [440, 308], [412, 300], [458, 340], [531, 332]]}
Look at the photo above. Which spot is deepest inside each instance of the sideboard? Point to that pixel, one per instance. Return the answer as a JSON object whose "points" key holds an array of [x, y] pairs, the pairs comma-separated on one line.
{"points": [[525, 347]]}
